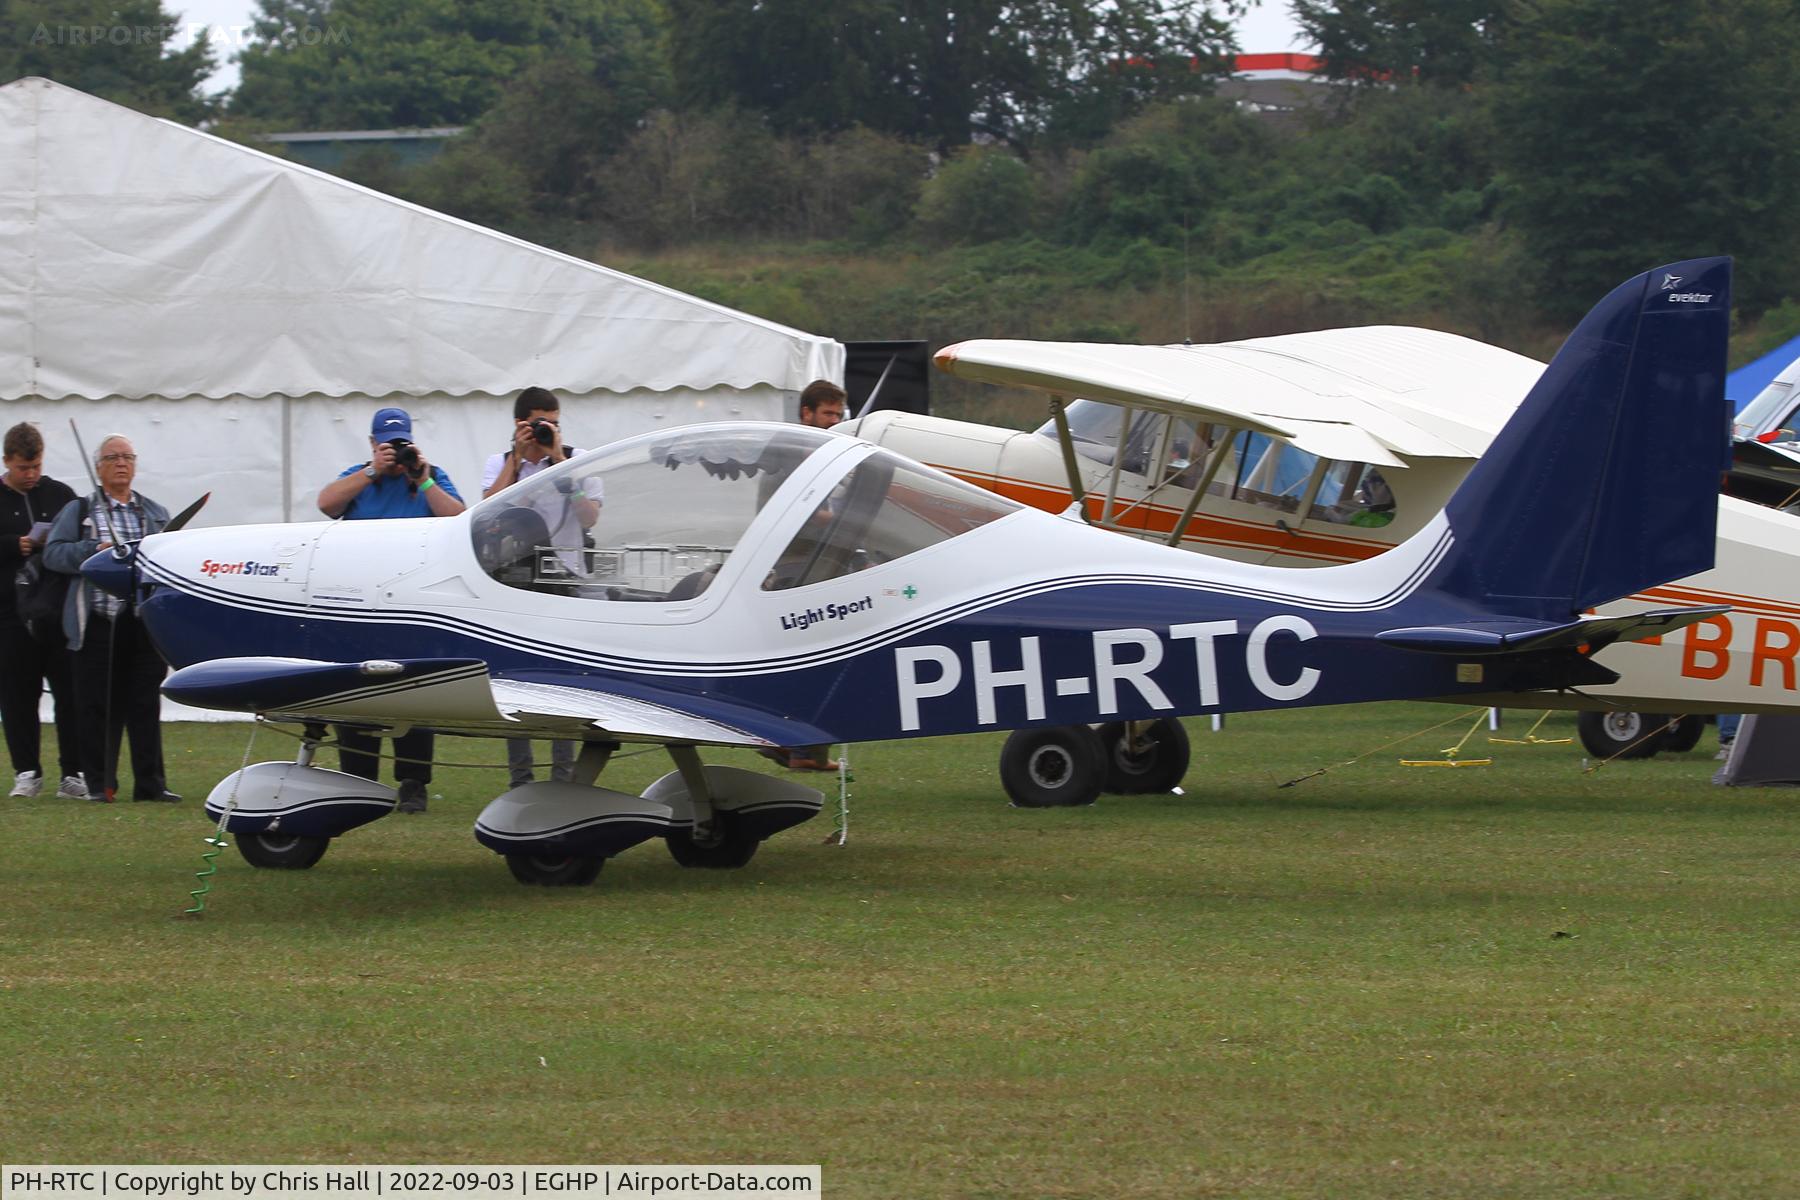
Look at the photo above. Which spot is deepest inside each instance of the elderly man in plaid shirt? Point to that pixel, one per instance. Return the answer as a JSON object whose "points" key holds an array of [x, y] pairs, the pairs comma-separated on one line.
{"points": [[118, 673]]}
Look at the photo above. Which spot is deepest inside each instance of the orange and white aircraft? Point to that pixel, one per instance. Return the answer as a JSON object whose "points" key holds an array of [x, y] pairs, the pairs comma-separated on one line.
{"points": [[1315, 448]]}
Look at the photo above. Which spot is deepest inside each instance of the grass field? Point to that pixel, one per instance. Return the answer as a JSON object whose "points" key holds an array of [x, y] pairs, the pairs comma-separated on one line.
{"points": [[1511, 981]]}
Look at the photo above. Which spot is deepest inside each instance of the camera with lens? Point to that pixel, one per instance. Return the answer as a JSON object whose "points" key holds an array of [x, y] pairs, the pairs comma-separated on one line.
{"points": [[543, 431], [406, 455]]}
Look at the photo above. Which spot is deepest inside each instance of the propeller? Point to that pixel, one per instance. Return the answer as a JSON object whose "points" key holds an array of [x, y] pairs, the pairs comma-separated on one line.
{"points": [[114, 570]]}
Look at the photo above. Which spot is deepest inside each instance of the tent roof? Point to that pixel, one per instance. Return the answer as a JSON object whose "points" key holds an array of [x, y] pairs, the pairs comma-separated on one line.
{"points": [[139, 257]]}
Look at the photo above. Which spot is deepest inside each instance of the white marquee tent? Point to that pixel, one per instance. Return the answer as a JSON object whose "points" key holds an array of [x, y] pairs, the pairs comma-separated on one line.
{"points": [[241, 318]]}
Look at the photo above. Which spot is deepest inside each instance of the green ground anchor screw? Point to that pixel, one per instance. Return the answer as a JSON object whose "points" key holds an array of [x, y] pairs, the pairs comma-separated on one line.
{"points": [[217, 842]]}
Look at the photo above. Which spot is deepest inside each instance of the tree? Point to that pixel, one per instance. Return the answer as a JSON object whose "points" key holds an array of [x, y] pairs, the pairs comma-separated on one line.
{"points": [[945, 73], [1633, 134], [118, 49], [364, 64], [1445, 42]]}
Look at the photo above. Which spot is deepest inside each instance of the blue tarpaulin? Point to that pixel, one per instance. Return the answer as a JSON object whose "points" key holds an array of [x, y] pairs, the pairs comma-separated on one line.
{"points": [[1742, 384]]}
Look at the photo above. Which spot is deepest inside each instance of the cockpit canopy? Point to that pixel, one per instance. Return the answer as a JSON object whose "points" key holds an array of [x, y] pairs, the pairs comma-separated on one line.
{"points": [[656, 517]]}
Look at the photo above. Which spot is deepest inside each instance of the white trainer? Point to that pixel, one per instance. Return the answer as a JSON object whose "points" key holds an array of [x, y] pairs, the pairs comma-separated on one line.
{"points": [[73, 788], [28, 783]]}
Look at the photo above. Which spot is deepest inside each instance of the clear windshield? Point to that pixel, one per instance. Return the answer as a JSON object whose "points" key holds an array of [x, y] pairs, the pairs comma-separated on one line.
{"points": [[650, 519], [884, 509]]}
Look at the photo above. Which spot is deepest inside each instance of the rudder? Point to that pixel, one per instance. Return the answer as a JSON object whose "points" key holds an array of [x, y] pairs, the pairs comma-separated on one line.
{"points": [[1606, 480]]}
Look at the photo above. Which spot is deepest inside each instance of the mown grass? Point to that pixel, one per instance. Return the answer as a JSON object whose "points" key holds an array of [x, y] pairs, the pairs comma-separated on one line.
{"points": [[1518, 980]]}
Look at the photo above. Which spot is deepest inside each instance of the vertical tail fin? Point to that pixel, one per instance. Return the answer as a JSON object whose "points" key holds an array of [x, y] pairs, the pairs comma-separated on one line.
{"points": [[1606, 480]]}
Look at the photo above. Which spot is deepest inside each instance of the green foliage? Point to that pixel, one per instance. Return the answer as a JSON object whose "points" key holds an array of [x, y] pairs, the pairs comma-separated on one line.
{"points": [[942, 73], [1168, 168], [1376, 43], [1638, 133], [117, 49], [981, 194], [378, 64]]}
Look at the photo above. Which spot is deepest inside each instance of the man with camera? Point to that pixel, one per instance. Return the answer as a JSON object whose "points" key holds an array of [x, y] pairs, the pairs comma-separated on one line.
{"points": [[568, 512], [397, 481]]}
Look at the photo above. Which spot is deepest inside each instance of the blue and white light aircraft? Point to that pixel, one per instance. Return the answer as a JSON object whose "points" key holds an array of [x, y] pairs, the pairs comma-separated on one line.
{"points": [[769, 585]]}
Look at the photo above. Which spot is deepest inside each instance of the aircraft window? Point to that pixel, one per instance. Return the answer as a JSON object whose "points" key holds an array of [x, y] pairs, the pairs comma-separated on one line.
{"points": [[1270, 472], [1354, 493], [1094, 427], [884, 509], [650, 519]]}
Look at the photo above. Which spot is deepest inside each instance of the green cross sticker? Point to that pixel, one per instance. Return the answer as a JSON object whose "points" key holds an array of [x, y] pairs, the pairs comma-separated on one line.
{"points": [[909, 591]]}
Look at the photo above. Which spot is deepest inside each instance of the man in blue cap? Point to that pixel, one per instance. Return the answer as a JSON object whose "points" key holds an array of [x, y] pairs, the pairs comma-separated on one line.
{"points": [[397, 481]]}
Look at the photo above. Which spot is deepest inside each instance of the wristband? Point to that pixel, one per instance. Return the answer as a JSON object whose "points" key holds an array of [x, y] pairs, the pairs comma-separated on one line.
{"points": [[427, 484]]}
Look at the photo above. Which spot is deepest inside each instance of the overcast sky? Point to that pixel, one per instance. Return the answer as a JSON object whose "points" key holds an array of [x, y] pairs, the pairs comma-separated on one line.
{"points": [[1267, 28]]}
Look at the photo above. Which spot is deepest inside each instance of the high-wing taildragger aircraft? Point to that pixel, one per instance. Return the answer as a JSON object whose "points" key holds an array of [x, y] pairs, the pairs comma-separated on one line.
{"points": [[1336, 445], [768, 585]]}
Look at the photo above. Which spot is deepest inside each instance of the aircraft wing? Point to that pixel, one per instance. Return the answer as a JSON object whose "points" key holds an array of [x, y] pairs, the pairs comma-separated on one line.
{"points": [[1377, 395], [454, 696]]}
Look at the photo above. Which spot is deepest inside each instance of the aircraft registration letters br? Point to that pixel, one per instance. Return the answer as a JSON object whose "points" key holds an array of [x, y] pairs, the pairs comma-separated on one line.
{"points": [[1122, 659]]}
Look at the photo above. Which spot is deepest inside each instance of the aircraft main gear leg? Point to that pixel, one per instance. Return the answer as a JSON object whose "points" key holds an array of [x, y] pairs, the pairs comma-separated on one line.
{"points": [[1053, 767], [593, 760], [1144, 756]]}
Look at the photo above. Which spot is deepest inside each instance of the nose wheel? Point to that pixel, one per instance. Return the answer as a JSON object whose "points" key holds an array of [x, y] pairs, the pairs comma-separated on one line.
{"points": [[281, 851], [554, 870]]}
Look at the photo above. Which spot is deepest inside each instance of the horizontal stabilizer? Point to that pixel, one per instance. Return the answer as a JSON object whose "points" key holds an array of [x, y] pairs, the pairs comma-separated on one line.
{"points": [[1502, 636]]}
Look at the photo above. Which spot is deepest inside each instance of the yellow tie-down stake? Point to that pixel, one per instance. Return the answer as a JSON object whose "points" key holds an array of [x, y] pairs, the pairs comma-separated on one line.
{"points": [[1531, 738], [1449, 753]]}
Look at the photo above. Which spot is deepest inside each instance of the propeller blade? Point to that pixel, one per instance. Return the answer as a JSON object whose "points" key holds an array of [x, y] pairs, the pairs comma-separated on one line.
{"points": [[187, 514]]}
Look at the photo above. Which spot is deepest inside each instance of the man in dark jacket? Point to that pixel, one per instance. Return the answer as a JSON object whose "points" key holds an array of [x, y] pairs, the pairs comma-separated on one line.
{"points": [[32, 655], [118, 673]]}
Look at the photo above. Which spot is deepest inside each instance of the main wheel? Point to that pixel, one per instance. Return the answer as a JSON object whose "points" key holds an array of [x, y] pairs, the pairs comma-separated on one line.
{"points": [[1158, 763], [554, 870], [730, 850], [281, 851], [1684, 734], [1619, 734], [1056, 767]]}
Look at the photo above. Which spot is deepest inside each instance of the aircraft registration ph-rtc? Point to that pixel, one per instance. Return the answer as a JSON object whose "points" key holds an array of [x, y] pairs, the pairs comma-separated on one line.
{"points": [[1335, 446], [771, 585]]}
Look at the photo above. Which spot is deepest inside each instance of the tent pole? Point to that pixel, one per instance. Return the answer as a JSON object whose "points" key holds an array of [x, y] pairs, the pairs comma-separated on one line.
{"points": [[287, 460]]}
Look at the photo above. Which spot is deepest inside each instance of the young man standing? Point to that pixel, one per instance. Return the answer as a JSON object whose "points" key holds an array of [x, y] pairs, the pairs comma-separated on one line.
{"points": [[30, 655], [397, 481], [537, 445]]}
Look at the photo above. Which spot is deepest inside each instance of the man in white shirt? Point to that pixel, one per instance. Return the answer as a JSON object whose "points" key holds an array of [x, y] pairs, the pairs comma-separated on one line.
{"points": [[537, 445]]}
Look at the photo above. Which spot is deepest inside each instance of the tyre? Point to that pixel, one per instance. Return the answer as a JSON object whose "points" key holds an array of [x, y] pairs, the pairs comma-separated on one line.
{"points": [[1159, 762], [281, 851], [1684, 734], [732, 850], [554, 870], [1061, 766], [1619, 734]]}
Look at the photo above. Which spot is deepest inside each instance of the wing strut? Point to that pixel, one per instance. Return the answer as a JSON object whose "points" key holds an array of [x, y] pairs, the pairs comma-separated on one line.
{"points": [[1067, 441]]}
